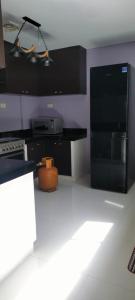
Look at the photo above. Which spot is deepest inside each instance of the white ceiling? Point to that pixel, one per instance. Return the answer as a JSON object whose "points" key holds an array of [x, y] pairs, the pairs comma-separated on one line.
{"points": [[90, 23]]}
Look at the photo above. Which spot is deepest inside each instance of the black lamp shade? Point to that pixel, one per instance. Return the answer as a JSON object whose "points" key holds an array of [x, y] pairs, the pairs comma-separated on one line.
{"points": [[46, 63], [16, 52], [32, 58]]}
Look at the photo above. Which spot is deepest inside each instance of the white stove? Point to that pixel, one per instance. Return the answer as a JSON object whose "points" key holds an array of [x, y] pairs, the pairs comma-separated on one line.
{"points": [[11, 147]]}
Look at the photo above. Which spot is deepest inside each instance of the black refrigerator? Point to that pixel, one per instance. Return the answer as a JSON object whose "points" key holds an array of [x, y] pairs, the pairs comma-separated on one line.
{"points": [[109, 134]]}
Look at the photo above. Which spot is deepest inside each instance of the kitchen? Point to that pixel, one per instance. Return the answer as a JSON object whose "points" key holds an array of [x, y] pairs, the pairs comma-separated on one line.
{"points": [[16, 111]]}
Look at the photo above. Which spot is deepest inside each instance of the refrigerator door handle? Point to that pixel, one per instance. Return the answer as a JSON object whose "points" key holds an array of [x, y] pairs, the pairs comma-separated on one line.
{"points": [[123, 149]]}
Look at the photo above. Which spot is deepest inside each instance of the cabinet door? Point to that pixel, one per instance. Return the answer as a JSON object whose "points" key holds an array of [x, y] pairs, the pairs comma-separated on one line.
{"points": [[3, 81], [72, 69], [47, 81], [67, 73], [22, 76], [61, 152], [2, 54], [28, 81], [36, 150]]}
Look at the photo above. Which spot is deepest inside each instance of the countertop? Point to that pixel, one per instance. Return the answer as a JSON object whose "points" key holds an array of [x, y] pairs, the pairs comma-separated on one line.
{"points": [[11, 169], [68, 134]]}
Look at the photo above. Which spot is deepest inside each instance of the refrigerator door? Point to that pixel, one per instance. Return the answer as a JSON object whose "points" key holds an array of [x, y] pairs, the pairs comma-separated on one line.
{"points": [[119, 147], [109, 97], [109, 161]]}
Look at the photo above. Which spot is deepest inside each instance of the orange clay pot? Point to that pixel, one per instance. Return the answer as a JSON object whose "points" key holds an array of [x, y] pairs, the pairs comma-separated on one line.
{"points": [[47, 175]]}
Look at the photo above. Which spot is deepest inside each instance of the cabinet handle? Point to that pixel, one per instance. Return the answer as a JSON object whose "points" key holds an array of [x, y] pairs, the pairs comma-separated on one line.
{"points": [[58, 143], [55, 92], [60, 92]]}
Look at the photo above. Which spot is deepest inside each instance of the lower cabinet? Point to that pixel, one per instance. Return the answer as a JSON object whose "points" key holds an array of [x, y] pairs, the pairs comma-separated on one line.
{"points": [[35, 151], [68, 156], [61, 152]]}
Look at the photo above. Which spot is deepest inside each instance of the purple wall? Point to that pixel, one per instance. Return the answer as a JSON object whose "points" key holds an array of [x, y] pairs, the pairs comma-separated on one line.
{"points": [[10, 116], [73, 109], [30, 108], [18, 112]]}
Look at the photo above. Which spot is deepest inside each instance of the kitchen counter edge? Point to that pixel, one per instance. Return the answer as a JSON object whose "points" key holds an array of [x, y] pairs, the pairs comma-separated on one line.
{"points": [[11, 169], [68, 134]]}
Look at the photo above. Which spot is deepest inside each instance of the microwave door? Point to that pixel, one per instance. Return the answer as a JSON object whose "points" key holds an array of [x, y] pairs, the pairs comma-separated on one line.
{"points": [[42, 128]]}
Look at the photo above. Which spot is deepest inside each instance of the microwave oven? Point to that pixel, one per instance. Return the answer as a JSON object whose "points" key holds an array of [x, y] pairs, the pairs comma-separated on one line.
{"points": [[47, 125]]}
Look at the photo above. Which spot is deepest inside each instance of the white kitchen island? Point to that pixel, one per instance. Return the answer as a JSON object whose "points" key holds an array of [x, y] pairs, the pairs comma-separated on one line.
{"points": [[17, 213]]}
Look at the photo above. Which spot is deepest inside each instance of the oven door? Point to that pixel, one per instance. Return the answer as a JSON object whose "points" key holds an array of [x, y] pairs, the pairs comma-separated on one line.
{"points": [[14, 155]]}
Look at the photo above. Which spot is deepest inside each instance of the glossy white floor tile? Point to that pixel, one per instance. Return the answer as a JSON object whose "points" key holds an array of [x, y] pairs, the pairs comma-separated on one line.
{"points": [[85, 238]]}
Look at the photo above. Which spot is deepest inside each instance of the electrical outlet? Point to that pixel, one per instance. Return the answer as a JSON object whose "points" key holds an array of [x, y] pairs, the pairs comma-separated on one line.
{"points": [[2, 105], [50, 105]]}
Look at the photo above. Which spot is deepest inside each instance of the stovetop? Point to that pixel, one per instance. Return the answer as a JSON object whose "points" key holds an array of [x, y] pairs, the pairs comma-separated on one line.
{"points": [[8, 139]]}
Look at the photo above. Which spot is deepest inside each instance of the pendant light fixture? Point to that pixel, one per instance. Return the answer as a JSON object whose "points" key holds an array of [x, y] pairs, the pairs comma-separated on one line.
{"points": [[31, 54]]}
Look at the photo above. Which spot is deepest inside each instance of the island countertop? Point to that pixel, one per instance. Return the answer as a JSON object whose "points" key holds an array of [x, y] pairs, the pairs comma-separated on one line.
{"points": [[11, 169]]}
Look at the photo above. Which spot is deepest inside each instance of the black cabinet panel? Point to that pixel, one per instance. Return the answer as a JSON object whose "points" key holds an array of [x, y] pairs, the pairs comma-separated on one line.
{"points": [[22, 76], [61, 152], [2, 54], [3, 81], [36, 151], [67, 73]]}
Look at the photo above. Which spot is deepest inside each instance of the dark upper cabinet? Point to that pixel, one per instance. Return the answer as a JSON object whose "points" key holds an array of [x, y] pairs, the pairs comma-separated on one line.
{"points": [[2, 54], [67, 73], [22, 76]]}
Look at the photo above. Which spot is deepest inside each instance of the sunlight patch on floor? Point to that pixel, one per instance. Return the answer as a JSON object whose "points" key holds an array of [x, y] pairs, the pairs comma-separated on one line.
{"points": [[58, 277]]}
